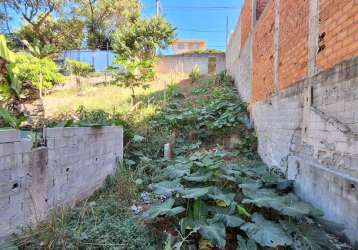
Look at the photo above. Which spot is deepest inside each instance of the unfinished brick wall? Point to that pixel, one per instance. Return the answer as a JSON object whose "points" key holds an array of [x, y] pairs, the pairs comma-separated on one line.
{"points": [[246, 21], [263, 56], [338, 32], [337, 36], [299, 70], [293, 45]]}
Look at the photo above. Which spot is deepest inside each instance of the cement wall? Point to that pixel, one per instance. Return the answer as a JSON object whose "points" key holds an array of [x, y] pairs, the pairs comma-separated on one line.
{"points": [[241, 70], [323, 160], [186, 63], [302, 85], [74, 164]]}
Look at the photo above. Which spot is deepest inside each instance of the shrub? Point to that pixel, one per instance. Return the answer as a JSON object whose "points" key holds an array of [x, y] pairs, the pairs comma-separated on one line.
{"points": [[224, 77], [42, 73], [195, 74], [7, 119], [78, 68]]}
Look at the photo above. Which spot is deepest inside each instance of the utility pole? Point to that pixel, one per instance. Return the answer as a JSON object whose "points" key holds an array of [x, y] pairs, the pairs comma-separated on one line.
{"points": [[157, 3], [227, 30]]}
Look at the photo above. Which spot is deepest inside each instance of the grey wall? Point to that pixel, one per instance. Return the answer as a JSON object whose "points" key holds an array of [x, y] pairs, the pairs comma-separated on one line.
{"points": [[241, 70], [317, 148], [74, 164], [186, 63]]}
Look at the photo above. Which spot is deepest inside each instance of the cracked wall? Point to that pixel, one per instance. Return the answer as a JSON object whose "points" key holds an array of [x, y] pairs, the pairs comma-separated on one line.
{"points": [[74, 164]]}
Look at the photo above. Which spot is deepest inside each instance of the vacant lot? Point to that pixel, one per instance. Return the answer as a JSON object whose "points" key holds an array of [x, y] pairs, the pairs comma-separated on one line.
{"points": [[108, 97]]}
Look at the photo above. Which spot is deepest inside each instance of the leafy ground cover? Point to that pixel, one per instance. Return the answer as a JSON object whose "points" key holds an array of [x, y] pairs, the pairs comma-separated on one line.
{"points": [[217, 198], [206, 196]]}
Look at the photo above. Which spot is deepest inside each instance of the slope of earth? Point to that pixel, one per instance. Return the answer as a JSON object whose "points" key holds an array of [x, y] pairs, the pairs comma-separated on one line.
{"points": [[210, 192]]}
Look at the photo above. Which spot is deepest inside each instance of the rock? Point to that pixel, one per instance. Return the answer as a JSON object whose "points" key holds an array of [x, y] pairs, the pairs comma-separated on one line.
{"points": [[145, 198], [136, 209]]}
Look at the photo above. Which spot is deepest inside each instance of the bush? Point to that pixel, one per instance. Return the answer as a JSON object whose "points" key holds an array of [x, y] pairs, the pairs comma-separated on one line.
{"points": [[195, 74], [78, 68], [42, 73]]}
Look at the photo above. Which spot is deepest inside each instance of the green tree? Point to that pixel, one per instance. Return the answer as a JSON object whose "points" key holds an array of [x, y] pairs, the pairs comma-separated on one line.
{"points": [[54, 36], [79, 69], [35, 12], [42, 73], [135, 46], [102, 17]]}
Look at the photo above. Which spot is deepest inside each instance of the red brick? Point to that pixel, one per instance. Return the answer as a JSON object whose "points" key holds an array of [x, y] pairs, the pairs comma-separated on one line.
{"points": [[340, 28], [246, 21], [263, 52]]}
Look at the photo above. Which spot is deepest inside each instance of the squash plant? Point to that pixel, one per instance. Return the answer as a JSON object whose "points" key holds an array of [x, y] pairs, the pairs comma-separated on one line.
{"points": [[215, 198]]}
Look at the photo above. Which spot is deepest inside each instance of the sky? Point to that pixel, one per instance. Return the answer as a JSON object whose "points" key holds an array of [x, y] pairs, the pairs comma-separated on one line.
{"points": [[203, 19]]}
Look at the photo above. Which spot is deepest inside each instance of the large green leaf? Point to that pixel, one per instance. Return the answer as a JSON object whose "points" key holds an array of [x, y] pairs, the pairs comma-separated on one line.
{"points": [[228, 220], [308, 237], [167, 187], [177, 171], [228, 178], [200, 210], [243, 244], [198, 177], [192, 193], [266, 233], [216, 194], [288, 204], [230, 210], [215, 233], [248, 185], [292, 206], [5, 53], [256, 170], [13, 73], [165, 208]]}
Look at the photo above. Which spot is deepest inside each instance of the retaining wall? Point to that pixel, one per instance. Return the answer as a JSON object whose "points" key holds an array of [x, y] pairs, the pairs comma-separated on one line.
{"points": [[75, 163], [185, 63], [301, 82]]}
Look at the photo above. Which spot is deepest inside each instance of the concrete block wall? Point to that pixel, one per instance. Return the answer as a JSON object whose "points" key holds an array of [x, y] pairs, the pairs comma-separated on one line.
{"points": [[75, 163], [301, 81], [241, 70], [186, 63]]}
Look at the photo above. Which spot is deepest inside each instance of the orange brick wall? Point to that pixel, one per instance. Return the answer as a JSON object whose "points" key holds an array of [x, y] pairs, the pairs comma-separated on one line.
{"points": [[263, 56], [260, 6], [245, 21], [338, 40], [293, 41], [338, 32]]}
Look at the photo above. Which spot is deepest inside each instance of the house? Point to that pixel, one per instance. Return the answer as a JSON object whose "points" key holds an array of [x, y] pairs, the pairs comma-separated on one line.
{"points": [[183, 46]]}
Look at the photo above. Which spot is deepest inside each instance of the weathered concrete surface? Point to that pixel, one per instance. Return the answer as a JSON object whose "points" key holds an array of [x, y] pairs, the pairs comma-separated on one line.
{"points": [[324, 159], [241, 70], [74, 164], [186, 63]]}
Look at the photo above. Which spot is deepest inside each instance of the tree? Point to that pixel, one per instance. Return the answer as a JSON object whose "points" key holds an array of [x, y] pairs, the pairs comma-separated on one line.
{"points": [[102, 17], [79, 69], [41, 29], [35, 12], [54, 36], [135, 46]]}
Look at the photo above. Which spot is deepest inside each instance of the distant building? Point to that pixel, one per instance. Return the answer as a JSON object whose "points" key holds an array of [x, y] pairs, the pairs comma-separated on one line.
{"points": [[183, 46]]}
